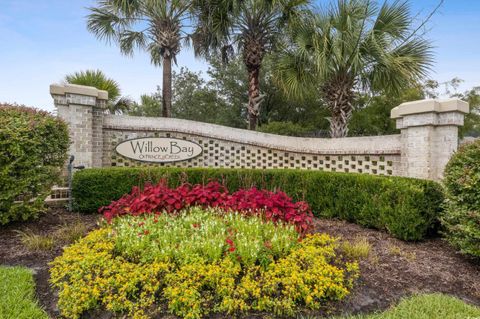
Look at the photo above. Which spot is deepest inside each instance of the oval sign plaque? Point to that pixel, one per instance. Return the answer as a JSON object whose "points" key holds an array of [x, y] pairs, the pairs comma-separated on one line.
{"points": [[159, 149]]}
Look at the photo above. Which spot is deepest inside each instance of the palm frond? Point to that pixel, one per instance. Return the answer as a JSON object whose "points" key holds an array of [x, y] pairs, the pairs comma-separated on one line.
{"points": [[358, 40], [400, 67], [130, 40], [97, 79], [156, 53], [106, 24], [129, 8], [121, 106]]}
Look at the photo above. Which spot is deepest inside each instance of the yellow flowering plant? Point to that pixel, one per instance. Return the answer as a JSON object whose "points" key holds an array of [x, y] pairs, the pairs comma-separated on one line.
{"points": [[181, 273]]}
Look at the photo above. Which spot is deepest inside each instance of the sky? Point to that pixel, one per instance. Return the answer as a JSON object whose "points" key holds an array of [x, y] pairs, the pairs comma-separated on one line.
{"points": [[43, 40]]}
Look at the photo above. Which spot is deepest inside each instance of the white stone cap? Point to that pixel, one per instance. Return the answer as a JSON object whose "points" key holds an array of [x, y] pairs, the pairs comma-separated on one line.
{"points": [[371, 145], [56, 89], [429, 106]]}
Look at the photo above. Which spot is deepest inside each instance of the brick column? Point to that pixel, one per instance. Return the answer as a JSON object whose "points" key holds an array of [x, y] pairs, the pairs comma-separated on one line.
{"points": [[82, 107], [429, 135]]}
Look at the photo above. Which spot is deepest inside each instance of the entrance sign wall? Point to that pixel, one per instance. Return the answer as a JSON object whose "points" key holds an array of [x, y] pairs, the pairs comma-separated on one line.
{"points": [[428, 136]]}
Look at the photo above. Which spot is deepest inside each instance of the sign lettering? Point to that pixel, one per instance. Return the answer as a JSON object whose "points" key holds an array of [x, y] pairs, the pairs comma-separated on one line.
{"points": [[159, 149]]}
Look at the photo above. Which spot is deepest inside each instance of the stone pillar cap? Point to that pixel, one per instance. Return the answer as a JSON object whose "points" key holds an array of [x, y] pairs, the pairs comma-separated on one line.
{"points": [[56, 89], [428, 106]]}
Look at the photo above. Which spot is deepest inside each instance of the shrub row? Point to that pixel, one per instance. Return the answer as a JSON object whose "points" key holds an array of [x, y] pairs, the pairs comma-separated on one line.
{"points": [[406, 208]]}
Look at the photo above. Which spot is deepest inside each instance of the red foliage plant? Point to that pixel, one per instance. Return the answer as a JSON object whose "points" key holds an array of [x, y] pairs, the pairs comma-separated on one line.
{"points": [[273, 206]]}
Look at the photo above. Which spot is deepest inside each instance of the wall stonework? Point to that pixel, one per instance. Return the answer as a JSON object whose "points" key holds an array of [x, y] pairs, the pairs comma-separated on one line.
{"points": [[83, 109], [236, 148], [429, 135]]}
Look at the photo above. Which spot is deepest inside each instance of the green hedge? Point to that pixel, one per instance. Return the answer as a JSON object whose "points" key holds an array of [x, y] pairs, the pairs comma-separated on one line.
{"points": [[406, 208]]}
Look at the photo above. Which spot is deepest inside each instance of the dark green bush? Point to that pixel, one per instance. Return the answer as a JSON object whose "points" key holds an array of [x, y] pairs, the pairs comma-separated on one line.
{"points": [[461, 218], [407, 208], [33, 148], [286, 128]]}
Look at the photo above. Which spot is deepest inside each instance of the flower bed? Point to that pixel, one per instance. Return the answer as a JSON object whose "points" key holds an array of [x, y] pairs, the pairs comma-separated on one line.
{"points": [[197, 261], [197, 234], [274, 206]]}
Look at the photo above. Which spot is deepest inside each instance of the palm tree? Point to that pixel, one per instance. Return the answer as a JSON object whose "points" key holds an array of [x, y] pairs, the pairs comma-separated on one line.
{"points": [[96, 78], [251, 27], [356, 45], [156, 26]]}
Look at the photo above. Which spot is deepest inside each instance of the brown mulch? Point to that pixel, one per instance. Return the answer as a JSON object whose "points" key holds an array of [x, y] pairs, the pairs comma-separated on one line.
{"points": [[394, 269], [13, 253]]}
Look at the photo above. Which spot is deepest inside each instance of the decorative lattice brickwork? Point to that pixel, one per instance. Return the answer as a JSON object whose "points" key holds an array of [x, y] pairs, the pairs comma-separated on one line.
{"points": [[226, 154]]}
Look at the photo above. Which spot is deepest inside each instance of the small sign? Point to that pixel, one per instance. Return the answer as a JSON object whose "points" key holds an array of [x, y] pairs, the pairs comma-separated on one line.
{"points": [[159, 149]]}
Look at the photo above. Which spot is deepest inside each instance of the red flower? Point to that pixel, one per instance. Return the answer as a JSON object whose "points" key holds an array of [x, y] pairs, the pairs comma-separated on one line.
{"points": [[146, 232], [268, 244], [157, 199], [231, 249]]}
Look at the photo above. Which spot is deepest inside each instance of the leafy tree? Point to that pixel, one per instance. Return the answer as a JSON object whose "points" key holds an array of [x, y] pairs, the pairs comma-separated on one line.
{"points": [[251, 27], [231, 82], [372, 113], [471, 125], [96, 78], [195, 99], [354, 46], [150, 105], [222, 98], [157, 26], [286, 128], [277, 106]]}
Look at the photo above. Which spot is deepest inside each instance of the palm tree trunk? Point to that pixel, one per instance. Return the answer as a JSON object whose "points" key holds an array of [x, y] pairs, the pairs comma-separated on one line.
{"points": [[254, 98], [339, 95], [339, 121], [167, 87]]}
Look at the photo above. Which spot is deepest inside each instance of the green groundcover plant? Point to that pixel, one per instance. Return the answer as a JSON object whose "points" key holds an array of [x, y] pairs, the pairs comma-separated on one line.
{"points": [[33, 148], [428, 306], [17, 294], [461, 218], [197, 234], [198, 262]]}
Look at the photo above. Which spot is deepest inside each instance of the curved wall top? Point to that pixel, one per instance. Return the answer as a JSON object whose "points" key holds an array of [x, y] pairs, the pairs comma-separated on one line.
{"points": [[389, 144]]}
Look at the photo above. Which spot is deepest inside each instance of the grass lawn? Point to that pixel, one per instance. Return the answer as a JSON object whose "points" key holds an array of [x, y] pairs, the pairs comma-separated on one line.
{"points": [[431, 306], [17, 295]]}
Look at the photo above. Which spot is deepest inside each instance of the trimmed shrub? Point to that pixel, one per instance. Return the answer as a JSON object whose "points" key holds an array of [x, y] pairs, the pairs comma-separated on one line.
{"points": [[33, 148], [461, 218], [406, 208]]}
